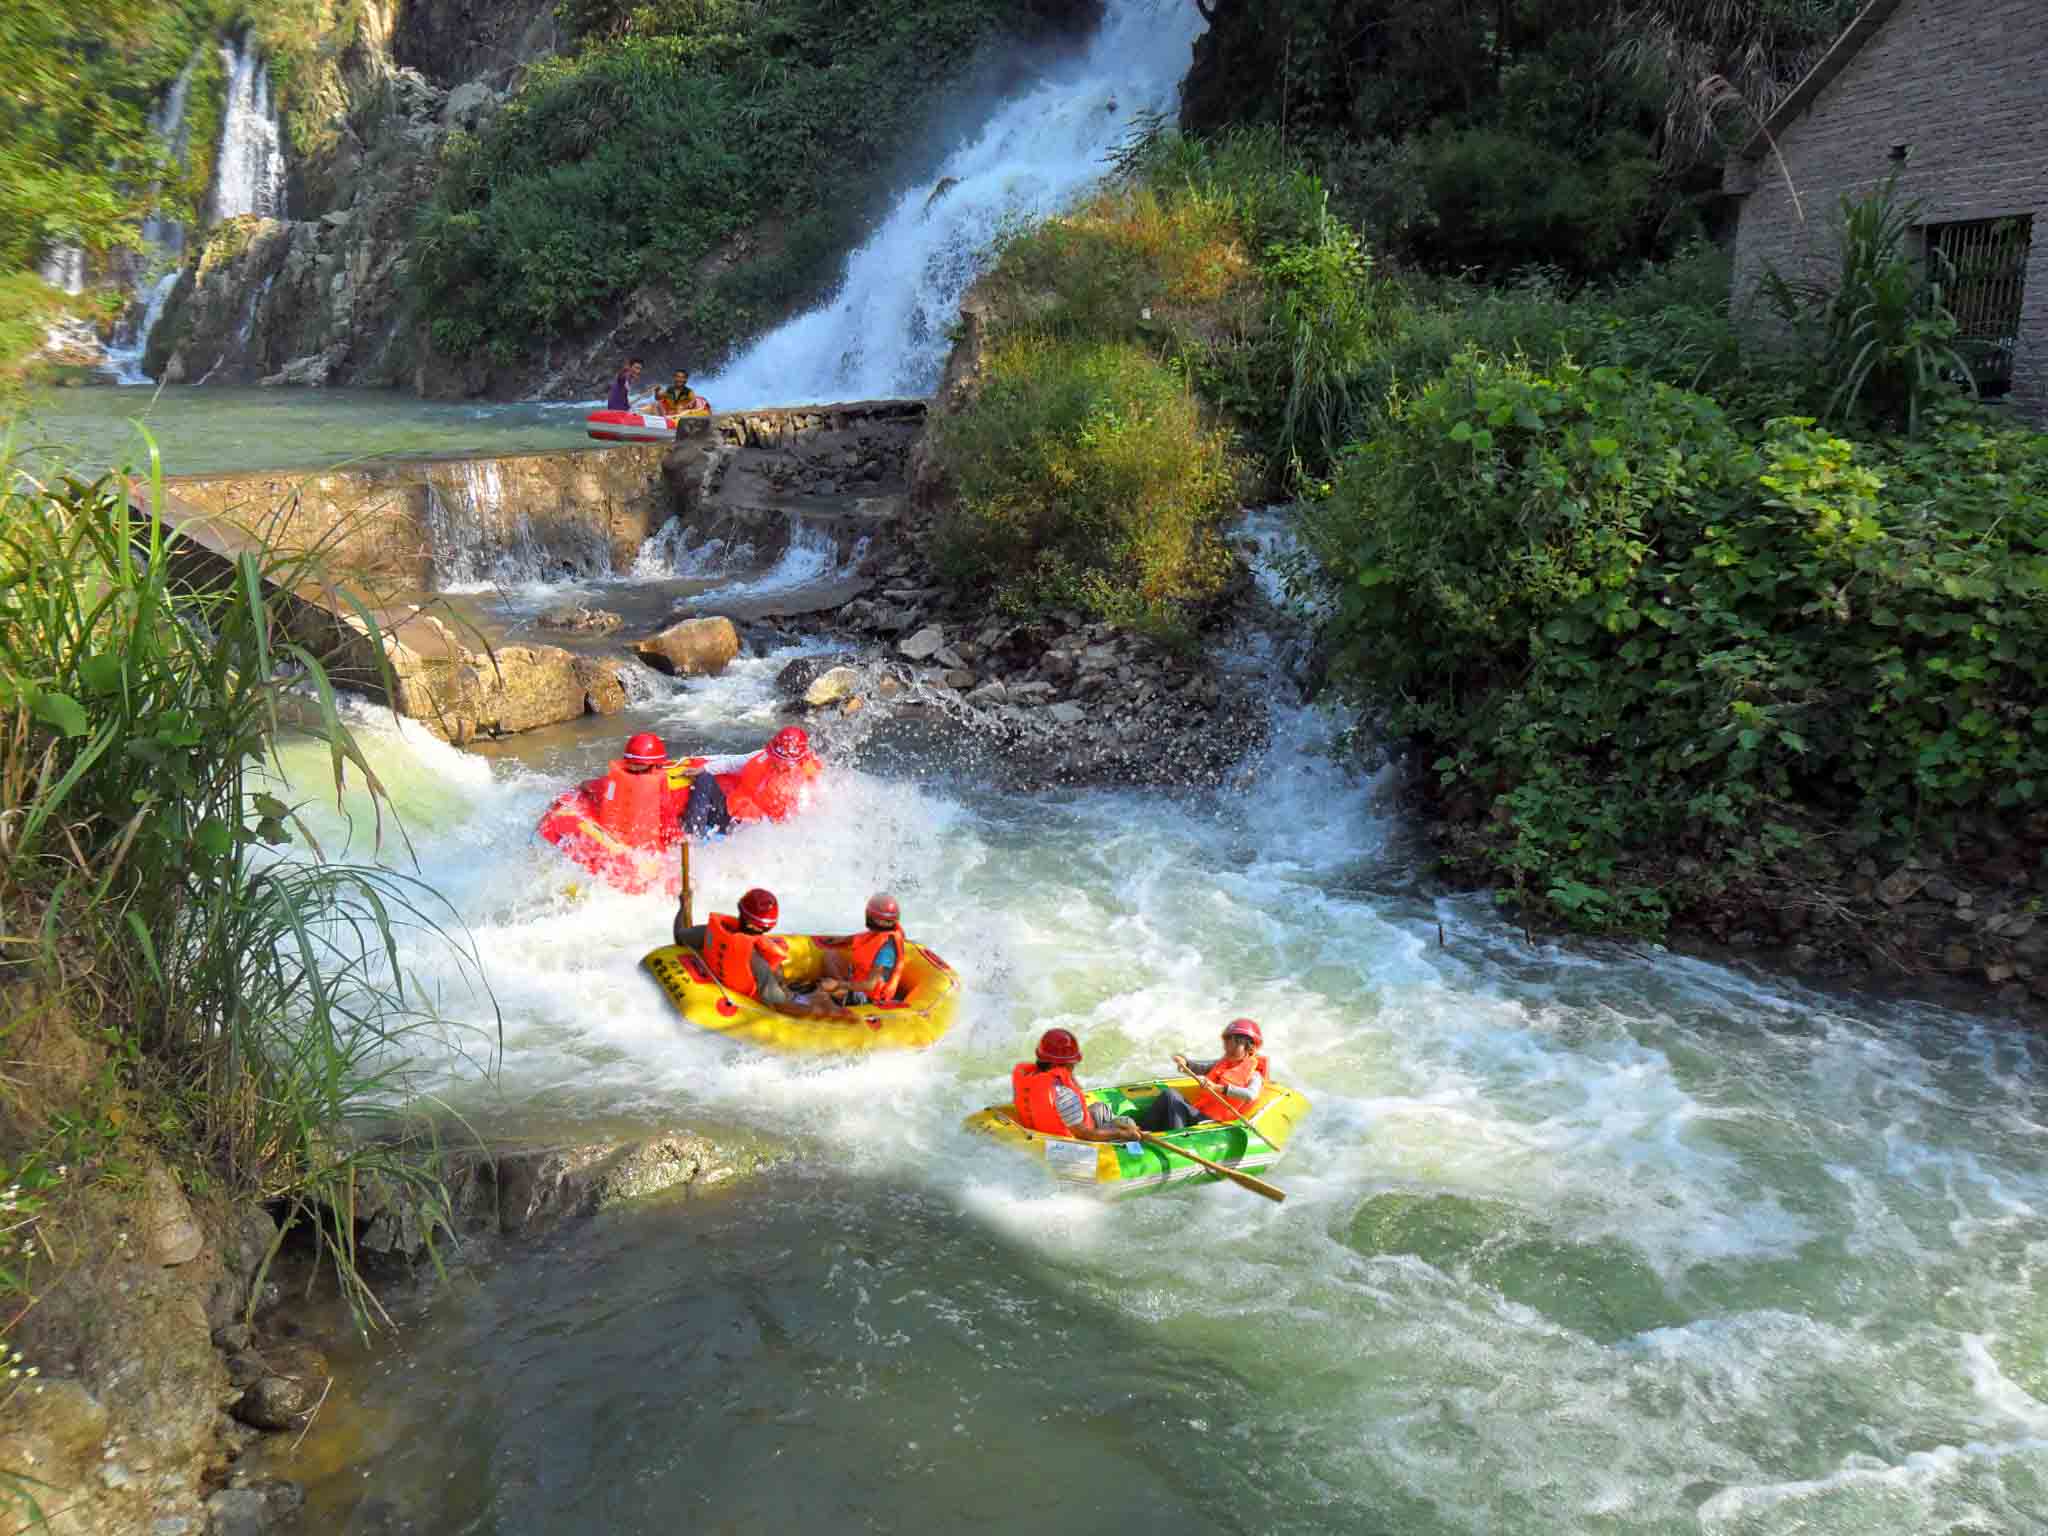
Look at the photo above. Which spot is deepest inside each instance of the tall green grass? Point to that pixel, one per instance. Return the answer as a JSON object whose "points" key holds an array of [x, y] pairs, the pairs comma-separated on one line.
{"points": [[258, 989]]}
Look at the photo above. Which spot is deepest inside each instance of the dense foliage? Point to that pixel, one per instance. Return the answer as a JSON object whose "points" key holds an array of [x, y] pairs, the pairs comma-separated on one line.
{"points": [[1579, 133], [1669, 656], [672, 131], [1086, 479]]}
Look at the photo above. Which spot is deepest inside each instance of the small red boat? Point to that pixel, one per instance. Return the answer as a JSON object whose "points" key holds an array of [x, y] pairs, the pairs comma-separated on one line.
{"points": [[633, 427]]}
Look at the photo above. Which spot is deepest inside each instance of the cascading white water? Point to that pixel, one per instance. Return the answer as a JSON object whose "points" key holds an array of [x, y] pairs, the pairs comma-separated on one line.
{"points": [[885, 332], [249, 172], [63, 267], [812, 556], [478, 545], [164, 239]]}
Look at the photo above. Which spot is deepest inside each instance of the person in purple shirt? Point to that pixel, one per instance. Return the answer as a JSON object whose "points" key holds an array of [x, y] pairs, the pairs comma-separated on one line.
{"points": [[621, 397]]}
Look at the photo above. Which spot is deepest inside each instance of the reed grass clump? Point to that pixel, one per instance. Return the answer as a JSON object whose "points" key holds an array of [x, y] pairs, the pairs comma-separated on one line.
{"points": [[249, 993]]}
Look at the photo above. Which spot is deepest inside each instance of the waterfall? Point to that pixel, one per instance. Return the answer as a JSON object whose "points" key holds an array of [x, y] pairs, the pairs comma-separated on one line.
{"points": [[478, 543], [248, 175], [885, 332], [63, 266], [165, 239]]}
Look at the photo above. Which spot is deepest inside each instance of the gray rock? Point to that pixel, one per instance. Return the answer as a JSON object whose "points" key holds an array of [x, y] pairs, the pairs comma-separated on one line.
{"points": [[957, 677], [925, 643], [255, 1508], [466, 103], [286, 1398], [170, 1235], [2010, 925], [1033, 692], [990, 693], [1900, 886], [948, 658], [1066, 714], [830, 687], [793, 680]]}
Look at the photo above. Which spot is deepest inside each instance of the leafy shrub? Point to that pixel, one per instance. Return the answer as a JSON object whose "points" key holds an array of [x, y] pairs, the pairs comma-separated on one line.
{"points": [[1636, 634], [1501, 199], [1886, 336], [1085, 478]]}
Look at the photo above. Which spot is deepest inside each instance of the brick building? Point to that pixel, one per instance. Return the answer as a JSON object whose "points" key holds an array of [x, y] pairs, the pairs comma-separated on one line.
{"points": [[1953, 95]]}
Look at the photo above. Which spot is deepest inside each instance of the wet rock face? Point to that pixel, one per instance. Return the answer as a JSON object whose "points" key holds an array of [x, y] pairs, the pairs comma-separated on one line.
{"points": [[843, 470], [1056, 699], [282, 1384], [523, 1191], [460, 694]]}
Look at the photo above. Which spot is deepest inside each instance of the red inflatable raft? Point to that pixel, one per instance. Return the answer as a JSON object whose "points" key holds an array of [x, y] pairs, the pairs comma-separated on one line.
{"points": [[633, 426], [572, 824]]}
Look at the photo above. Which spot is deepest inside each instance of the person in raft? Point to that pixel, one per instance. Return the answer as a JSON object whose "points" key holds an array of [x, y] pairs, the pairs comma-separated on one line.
{"points": [[746, 958], [1050, 1102], [679, 399], [621, 396], [768, 786], [869, 968], [1230, 1085], [642, 796]]}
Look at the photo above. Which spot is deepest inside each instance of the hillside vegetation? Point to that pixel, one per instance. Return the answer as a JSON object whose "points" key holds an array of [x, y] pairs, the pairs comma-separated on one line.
{"points": [[679, 136]]}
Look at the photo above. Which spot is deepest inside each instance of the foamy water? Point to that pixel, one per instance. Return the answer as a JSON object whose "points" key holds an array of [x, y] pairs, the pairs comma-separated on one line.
{"points": [[1578, 1237]]}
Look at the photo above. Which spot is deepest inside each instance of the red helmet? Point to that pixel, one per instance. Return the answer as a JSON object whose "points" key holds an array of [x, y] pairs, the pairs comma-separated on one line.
{"points": [[759, 906], [883, 912], [1249, 1028], [1059, 1047], [790, 744], [646, 748]]}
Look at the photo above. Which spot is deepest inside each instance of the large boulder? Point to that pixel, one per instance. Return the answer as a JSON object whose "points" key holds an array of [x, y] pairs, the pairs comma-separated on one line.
{"points": [[460, 694], [691, 648]]}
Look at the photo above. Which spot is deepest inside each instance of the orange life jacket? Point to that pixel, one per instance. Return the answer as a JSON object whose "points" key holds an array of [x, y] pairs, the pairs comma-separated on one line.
{"points": [[1237, 1075], [880, 989], [1032, 1089], [629, 805], [729, 953], [764, 786]]}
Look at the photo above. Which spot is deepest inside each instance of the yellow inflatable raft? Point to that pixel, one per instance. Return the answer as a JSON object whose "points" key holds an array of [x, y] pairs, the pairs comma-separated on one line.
{"points": [[924, 1013], [1136, 1167]]}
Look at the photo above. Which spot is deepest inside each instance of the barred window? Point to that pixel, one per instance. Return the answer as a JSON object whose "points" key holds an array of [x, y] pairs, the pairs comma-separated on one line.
{"points": [[1982, 265]]}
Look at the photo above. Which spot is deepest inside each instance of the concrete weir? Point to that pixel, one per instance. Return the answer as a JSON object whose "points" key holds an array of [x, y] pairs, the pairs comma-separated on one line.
{"points": [[395, 537]]}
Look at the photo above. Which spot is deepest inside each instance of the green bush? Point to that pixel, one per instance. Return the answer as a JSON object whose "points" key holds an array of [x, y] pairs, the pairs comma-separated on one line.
{"points": [[1501, 199], [1085, 478], [1636, 635]]}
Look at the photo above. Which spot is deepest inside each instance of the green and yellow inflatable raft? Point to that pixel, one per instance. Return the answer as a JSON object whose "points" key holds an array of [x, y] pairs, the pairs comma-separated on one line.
{"points": [[1118, 1168], [924, 1013]]}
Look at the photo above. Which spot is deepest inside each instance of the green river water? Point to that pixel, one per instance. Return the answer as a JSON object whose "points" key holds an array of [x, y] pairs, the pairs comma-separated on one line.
{"points": [[216, 430]]}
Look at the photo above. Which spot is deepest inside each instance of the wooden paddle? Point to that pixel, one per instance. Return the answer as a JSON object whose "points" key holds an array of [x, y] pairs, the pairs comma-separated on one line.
{"points": [[687, 921], [1236, 1176]]}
